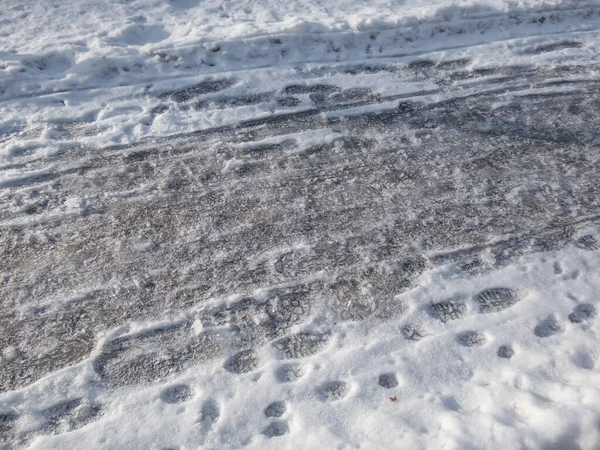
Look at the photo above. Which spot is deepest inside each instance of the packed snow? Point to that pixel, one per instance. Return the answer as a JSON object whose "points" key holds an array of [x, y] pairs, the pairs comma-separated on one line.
{"points": [[313, 224]]}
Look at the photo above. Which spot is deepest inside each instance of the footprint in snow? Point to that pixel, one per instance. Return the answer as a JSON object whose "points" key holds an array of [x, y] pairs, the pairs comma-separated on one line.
{"points": [[178, 393], [275, 409], [276, 428], [210, 412], [496, 299], [448, 310], [388, 380], [242, 362], [414, 332], [70, 415], [587, 242], [549, 327], [506, 351], [288, 373], [334, 390], [583, 312], [472, 339]]}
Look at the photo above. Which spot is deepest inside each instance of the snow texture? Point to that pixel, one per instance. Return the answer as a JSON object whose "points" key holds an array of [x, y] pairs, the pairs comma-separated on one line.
{"points": [[251, 224]]}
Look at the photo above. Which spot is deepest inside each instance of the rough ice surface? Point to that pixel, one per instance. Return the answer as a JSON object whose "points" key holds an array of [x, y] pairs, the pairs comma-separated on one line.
{"points": [[250, 224]]}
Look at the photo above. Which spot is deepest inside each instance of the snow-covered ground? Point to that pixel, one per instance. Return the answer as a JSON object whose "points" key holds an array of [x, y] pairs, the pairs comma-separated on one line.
{"points": [[76, 72], [314, 224]]}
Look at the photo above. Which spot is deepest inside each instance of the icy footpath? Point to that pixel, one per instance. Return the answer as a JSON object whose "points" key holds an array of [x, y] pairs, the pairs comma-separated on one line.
{"points": [[222, 226]]}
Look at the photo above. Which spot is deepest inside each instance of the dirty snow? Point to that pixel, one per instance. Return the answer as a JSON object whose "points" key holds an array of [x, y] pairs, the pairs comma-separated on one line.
{"points": [[250, 224]]}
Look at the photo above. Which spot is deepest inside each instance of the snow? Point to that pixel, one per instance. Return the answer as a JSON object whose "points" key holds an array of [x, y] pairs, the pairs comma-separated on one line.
{"points": [[95, 67], [547, 394], [144, 142]]}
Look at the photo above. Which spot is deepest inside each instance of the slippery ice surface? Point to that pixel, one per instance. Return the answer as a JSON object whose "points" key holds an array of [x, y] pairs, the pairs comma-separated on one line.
{"points": [[254, 224]]}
